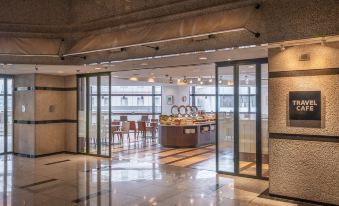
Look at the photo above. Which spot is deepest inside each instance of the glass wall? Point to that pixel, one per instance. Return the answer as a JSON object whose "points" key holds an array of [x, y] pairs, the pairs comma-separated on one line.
{"points": [[6, 115], [242, 118], [93, 115], [225, 138], [135, 102], [247, 119]]}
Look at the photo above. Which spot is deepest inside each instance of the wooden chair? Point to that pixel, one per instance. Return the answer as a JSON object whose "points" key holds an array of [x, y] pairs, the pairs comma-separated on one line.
{"points": [[152, 128], [142, 129], [115, 130], [133, 128]]}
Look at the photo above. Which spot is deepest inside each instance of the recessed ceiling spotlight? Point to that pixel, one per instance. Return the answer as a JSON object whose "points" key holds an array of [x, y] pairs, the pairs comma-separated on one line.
{"points": [[220, 80], [134, 78], [229, 59], [151, 80], [199, 79], [191, 81], [203, 58], [144, 64], [201, 82], [210, 80], [97, 68], [282, 47]]}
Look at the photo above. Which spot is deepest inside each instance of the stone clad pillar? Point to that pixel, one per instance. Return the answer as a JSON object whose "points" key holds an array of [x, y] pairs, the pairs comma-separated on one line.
{"points": [[304, 160], [44, 114]]}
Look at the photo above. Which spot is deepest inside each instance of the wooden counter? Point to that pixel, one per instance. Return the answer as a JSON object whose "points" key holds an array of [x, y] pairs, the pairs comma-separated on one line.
{"points": [[187, 135]]}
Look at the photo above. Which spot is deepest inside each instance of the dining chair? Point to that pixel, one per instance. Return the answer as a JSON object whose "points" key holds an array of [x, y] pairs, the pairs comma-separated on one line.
{"points": [[123, 118], [115, 130], [152, 128], [142, 129], [125, 127], [133, 128]]}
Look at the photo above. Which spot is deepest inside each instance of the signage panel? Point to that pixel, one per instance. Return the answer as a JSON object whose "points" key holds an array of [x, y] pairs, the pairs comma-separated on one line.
{"points": [[305, 108]]}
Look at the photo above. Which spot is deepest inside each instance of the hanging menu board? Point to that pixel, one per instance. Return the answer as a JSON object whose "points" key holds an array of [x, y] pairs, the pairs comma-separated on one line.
{"points": [[305, 109]]}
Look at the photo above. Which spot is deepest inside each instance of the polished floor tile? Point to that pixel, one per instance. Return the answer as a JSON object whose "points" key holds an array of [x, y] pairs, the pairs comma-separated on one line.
{"points": [[141, 174]]}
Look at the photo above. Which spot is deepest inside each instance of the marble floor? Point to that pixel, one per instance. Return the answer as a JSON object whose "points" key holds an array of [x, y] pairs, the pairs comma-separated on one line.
{"points": [[124, 179]]}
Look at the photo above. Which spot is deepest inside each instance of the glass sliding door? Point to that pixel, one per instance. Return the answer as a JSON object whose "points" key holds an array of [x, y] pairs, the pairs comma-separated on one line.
{"points": [[247, 119], [6, 115], [94, 114], [225, 119], [242, 118]]}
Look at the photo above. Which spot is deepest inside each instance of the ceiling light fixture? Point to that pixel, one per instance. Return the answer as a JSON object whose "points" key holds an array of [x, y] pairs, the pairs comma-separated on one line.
{"points": [[210, 80], [282, 47], [199, 79], [151, 80], [246, 80], [191, 81], [220, 80], [134, 78], [185, 80], [201, 82], [144, 64], [97, 68], [171, 80], [203, 58]]}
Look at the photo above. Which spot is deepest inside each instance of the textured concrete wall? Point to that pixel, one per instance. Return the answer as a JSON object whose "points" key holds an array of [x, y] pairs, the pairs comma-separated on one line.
{"points": [[299, 168]]}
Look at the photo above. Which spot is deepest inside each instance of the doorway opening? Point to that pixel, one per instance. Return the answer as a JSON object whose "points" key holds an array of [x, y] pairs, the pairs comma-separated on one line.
{"points": [[126, 114], [6, 114]]}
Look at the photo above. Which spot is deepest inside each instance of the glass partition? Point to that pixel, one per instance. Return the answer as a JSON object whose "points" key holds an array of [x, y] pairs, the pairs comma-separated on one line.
{"points": [[94, 114], [225, 114], [6, 114], [247, 119]]}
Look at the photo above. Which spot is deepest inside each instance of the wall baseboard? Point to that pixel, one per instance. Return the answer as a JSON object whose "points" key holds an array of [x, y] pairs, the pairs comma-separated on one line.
{"points": [[43, 155]]}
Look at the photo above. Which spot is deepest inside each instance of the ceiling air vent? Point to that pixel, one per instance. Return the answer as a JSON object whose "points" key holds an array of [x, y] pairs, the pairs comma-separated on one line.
{"points": [[305, 57]]}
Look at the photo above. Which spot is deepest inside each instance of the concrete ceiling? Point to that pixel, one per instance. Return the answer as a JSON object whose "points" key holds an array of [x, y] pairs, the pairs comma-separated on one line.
{"points": [[65, 23], [201, 59]]}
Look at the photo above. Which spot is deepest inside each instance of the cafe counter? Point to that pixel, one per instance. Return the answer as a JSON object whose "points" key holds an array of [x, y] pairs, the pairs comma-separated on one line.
{"points": [[192, 135]]}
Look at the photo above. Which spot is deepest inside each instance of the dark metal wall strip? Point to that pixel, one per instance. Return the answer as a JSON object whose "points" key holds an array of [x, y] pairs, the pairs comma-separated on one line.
{"points": [[52, 163], [45, 88], [299, 73], [38, 183], [319, 138], [87, 197], [44, 121]]}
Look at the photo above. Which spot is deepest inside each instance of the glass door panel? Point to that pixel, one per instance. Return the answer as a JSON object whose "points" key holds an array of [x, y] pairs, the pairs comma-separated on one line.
{"points": [[82, 115], [93, 115], [2, 115], [9, 115], [247, 119], [264, 119], [225, 109], [104, 116]]}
